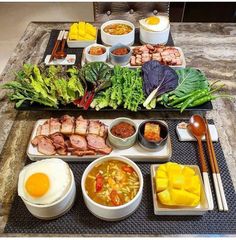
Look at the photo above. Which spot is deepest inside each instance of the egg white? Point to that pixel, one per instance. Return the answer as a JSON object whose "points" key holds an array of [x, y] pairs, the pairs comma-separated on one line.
{"points": [[162, 25], [59, 176]]}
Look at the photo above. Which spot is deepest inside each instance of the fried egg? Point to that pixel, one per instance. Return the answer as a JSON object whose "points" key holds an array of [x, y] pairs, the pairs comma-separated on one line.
{"points": [[45, 181], [155, 23]]}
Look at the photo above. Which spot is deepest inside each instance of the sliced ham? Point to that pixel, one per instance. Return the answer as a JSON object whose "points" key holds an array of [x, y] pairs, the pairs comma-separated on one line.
{"points": [[67, 124], [58, 140], [78, 142], [46, 147], [81, 126], [55, 125], [98, 144]]}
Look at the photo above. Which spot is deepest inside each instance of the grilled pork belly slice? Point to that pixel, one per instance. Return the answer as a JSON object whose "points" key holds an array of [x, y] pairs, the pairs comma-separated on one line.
{"points": [[38, 132], [55, 125], [78, 142], [81, 126], [35, 140], [58, 140], [45, 146], [82, 153], [94, 127], [98, 144], [68, 123], [45, 128], [103, 131], [62, 151]]}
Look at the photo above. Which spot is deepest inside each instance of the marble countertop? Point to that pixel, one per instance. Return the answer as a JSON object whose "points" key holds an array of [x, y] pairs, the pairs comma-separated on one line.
{"points": [[207, 46]]}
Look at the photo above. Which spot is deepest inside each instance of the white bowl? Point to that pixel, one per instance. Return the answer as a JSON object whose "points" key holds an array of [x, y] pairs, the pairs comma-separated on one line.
{"points": [[126, 39], [106, 212], [122, 143], [96, 58], [149, 37], [55, 209]]}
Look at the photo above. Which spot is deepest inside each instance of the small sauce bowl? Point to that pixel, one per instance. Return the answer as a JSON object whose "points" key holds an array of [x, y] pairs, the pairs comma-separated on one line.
{"points": [[153, 145], [119, 59]]}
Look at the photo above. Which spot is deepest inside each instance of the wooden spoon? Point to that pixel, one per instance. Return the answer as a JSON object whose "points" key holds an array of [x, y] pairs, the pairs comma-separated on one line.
{"points": [[198, 129]]}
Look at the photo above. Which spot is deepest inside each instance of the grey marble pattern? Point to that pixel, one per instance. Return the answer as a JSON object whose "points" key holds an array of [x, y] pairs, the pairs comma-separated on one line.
{"points": [[207, 46]]}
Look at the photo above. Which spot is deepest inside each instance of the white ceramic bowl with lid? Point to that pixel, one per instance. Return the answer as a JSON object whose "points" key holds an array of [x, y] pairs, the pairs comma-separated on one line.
{"points": [[126, 39], [117, 212]]}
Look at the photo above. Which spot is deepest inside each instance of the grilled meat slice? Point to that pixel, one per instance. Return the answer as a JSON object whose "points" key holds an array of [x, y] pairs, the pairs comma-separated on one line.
{"points": [[62, 151], [82, 153], [98, 144], [38, 132], [94, 127], [68, 124], [58, 140], [46, 147], [45, 129], [81, 126], [55, 125], [78, 142]]}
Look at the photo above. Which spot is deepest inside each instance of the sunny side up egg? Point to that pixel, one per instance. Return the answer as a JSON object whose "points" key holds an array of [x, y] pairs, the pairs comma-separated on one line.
{"points": [[155, 23], [45, 181]]}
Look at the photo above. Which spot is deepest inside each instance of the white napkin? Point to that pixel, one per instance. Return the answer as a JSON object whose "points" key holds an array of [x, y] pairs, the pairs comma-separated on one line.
{"points": [[184, 135]]}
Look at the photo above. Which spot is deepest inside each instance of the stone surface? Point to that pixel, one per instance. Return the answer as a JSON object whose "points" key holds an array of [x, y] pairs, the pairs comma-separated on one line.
{"points": [[207, 46]]}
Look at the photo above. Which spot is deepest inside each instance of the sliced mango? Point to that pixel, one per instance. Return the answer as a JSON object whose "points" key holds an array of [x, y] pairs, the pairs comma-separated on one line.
{"points": [[177, 185], [82, 31]]}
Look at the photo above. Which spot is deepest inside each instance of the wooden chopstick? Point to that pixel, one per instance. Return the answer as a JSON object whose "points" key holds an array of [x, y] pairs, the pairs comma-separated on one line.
{"points": [[56, 45], [221, 200]]}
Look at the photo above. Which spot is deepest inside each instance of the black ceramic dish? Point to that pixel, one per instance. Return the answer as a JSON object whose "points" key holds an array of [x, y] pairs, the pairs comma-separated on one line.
{"points": [[152, 145]]}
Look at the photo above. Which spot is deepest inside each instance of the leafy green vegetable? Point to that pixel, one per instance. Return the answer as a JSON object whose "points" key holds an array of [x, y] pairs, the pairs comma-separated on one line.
{"points": [[47, 86], [126, 90]]}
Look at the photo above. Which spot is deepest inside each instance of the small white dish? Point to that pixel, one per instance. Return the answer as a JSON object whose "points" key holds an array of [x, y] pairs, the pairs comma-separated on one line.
{"points": [[106, 212], [160, 209], [149, 37], [69, 60], [185, 136], [109, 39], [96, 58]]}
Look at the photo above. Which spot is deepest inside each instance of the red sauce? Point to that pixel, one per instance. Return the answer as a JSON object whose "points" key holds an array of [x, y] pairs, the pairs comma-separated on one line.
{"points": [[123, 130], [120, 51]]}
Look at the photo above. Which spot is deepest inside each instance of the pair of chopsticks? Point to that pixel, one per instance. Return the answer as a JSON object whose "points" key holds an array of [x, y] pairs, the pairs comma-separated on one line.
{"points": [[61, 36], [220, 195]]}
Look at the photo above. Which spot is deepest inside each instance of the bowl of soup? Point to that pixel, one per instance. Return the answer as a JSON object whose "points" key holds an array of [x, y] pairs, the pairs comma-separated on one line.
{"points": [[117, 31], [112, 187]]}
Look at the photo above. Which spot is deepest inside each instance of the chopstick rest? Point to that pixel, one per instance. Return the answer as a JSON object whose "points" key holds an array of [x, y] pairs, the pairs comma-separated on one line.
{"points": [[185, 136]]}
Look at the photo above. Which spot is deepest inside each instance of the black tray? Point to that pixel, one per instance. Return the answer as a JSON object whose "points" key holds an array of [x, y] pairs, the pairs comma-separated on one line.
{"points": [[26, 106]]}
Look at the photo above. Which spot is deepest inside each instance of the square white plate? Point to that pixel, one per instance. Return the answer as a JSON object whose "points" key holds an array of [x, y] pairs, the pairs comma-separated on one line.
{"points": [[136, 152], [69, 60], [160, 209]]}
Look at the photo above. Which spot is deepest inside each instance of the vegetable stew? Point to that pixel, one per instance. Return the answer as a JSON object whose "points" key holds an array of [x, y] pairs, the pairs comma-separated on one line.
{"points": [[112, 183]]}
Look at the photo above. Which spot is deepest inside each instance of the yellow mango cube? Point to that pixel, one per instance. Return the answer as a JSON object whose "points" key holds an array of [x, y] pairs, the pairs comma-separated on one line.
{"points": [[161, 184]]}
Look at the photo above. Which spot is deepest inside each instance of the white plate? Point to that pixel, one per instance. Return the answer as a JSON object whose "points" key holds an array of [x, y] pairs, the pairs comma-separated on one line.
{"points": [[136, 152], [69, 60], [160, 209], [83, 60]]}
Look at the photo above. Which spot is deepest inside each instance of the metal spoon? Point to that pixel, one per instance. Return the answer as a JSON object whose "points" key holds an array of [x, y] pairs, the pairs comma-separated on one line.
{"points": [[198, 129]]}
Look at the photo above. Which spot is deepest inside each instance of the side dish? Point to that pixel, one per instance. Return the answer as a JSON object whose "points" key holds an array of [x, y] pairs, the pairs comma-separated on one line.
{"points": [[123, 130], [177, 185], [120, 51], [152, 132], [70, 135], [155, 23], [97, 50], [112, 183], [117, 29]]}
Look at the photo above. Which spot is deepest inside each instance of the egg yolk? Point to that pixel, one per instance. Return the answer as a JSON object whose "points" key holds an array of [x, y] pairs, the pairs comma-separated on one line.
{"points": [[153, 20], [37, 184]]}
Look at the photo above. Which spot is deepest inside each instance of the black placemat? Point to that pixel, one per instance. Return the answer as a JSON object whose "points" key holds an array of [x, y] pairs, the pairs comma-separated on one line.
{"points": [[78, 51], [80, 221]]}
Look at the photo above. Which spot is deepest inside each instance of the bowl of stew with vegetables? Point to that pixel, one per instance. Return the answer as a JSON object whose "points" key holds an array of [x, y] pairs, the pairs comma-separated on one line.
{"points": [[112, 187]]}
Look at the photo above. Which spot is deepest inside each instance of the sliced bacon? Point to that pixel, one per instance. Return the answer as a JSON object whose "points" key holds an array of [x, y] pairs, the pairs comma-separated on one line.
{"points": [[55, 125], [98, 144], [78, 142], [68, 123], [81, 125]]}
